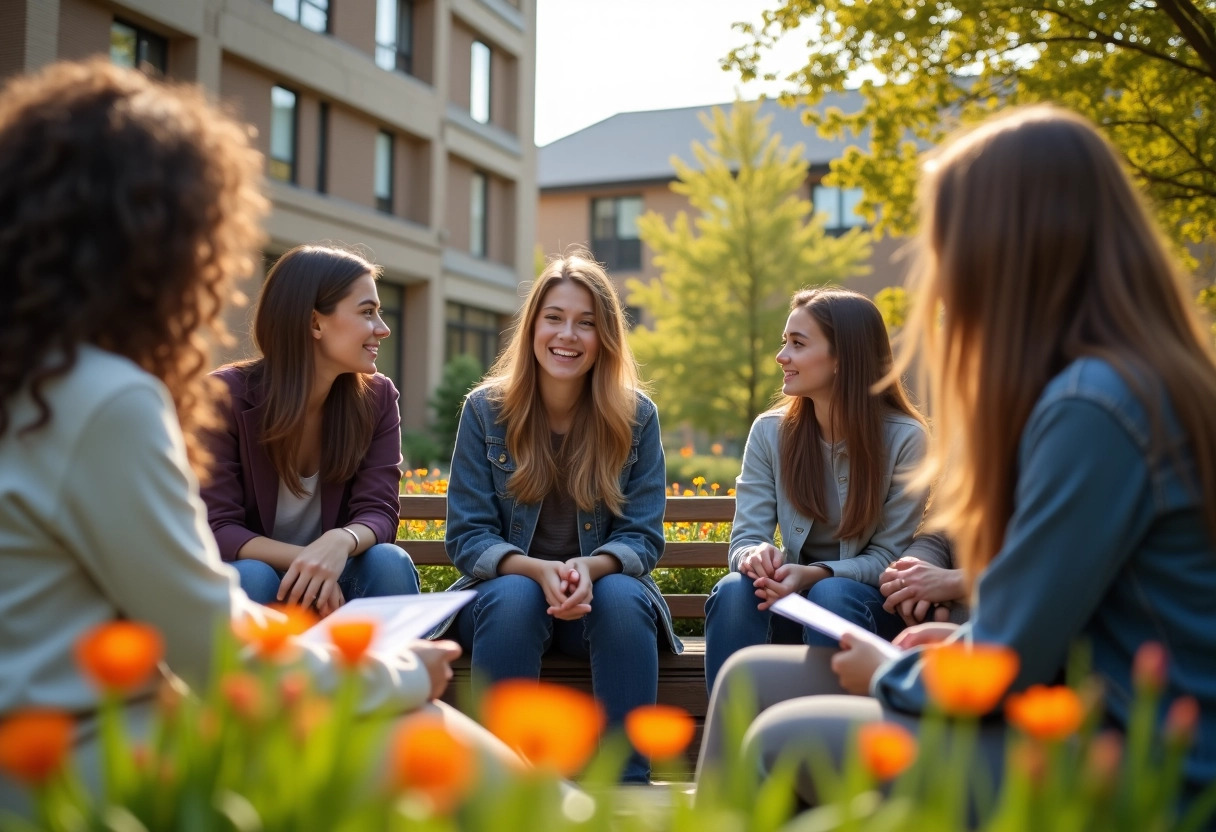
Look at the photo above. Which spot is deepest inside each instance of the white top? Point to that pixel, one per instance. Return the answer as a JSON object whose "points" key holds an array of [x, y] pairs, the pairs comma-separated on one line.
{"points": [[100, 518], [297, 520]]}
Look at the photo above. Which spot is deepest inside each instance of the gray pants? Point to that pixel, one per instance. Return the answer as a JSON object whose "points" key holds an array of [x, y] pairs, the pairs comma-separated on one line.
{"points": [[801, 706]]}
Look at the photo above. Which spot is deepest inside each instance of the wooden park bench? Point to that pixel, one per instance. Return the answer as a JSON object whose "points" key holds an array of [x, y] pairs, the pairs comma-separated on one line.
{"points": [[681, 678]]}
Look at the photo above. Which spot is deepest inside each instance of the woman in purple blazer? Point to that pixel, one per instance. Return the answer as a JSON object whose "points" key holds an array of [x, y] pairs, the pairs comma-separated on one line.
{"points": [[303, 499]]}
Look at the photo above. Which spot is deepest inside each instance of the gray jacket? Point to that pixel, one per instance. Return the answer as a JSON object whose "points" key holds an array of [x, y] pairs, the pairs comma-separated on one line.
{"points": [[761, 505]]}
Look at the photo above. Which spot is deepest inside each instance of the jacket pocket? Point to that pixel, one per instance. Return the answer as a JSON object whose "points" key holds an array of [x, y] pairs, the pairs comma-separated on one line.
{"points": [[502, 465]]}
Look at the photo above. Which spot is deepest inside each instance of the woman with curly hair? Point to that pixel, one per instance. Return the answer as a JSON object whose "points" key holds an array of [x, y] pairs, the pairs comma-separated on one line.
{"points": [[126, 208], [303, 500]]}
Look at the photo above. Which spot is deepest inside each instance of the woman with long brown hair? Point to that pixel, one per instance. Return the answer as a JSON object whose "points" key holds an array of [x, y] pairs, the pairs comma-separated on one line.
{"points": [[556, 499], [304, 500], [828, 465], [1075, 450]]}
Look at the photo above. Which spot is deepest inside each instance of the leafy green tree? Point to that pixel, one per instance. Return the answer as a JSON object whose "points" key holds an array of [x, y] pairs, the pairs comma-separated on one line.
{"points": [[1143, 69], [460, 375], [892, 302], [728, 272]]}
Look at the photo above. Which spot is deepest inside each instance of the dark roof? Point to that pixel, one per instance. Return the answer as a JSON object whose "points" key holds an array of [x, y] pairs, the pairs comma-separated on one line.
{"points": [[637, 147]]}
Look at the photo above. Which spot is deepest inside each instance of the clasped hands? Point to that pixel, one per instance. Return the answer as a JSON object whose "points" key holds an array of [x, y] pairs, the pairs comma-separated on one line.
{"points": [[567, 585], [312, 578], [913, 590], [773, 578]]}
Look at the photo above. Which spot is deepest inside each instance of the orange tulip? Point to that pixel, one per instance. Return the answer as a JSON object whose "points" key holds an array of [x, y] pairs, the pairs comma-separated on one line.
{"points": [[34, 744], [271, 636], [659, 731], [243, 693], [887, 749], [968, 680], [1104, 757], [1046, 713], [1181, 720], [120, 655], [553, 727], [429, 759], [352, 638], [1150, 667]]}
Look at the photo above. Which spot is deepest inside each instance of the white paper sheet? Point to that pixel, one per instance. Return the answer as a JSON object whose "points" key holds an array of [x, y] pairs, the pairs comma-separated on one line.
{"points": [[810, 614], [399, 618]]}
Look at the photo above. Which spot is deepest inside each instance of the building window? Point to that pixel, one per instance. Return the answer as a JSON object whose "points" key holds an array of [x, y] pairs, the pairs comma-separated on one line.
{"points": [[839, 207], [614, 232], [311, 14], [479, 83], [323, 148], [384, 172], [395, 35], [138, 48], [479, 201], [392, 312], [282, 135], [472, 331]]}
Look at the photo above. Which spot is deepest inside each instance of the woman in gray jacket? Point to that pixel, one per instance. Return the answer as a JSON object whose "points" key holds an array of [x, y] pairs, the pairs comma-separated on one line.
{"points": [[827, 467]]}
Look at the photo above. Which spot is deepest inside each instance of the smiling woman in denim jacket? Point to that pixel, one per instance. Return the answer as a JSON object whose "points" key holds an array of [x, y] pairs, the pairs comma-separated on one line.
{"points": [[1073, 391], [829, 467], [556, 499]]}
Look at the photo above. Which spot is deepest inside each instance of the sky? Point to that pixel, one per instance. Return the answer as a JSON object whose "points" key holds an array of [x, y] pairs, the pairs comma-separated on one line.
{"points": [[596, 58]]}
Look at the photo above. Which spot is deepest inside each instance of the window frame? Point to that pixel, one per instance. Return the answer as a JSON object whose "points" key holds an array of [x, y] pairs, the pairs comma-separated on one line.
{"points": [[384, 202], [294, 162], [488, 337], [143, 38], [323, 147], [402, 47], [479, 243], [841, 226], [474, 98], [616, 252], [280, 7]]}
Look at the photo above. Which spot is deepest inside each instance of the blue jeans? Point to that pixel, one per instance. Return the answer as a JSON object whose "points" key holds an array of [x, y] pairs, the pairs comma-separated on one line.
{"points": [[384, 569], [506, 631], [732, 621]]}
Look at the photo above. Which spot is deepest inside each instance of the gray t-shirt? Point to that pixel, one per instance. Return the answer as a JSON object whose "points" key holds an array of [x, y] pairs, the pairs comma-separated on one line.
{"points": [[556, 536], [822, 544]]}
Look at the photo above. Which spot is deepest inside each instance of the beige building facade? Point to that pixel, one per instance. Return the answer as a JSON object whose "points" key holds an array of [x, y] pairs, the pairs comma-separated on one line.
{"points": [[402, 127]]}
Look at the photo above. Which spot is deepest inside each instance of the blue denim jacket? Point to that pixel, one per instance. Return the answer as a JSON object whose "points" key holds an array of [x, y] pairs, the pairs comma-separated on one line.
{"points": [[485, 523], [1106, 545]]}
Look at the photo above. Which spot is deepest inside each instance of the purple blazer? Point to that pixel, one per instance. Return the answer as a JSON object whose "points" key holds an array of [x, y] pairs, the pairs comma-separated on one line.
{"points": [[243, 494]]}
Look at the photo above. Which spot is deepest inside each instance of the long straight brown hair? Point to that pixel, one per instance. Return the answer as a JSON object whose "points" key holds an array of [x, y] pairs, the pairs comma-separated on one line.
{"points": [[306, 279], [1035, 250], [858, 340], [601, 434]]}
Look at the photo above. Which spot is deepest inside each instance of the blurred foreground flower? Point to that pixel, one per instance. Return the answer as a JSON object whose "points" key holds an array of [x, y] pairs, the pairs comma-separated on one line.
{"points": [[969, 680], [352, 638], [1046, 713], [428, 759], [34, 744], [886, 749], [120, 655], [659, 731], [553, 727], [270, 636]]}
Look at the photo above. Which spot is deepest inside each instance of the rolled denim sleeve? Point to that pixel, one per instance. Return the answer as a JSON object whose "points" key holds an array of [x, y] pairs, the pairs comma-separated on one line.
{"points": [[1081, 505], [755, 494], [636, 537], [902, 513], [474, 540]]}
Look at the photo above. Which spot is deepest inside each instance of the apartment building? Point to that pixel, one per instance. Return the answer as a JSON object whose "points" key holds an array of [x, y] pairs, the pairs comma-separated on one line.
{"points": [[595, 183], [402, 126]]}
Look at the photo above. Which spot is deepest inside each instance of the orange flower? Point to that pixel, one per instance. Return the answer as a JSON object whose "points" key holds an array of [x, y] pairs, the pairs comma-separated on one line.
{"points": [[659, 731], [969, 680], [1150, 667], [352, 638], [292, 688], [271, 636], [1046, 713], [716, 449], [1104, 757], [553, 727], [686, 451], [243, 693], [427, 758], [119, 655], [886, 749], [1181, 720], [34, 744]]}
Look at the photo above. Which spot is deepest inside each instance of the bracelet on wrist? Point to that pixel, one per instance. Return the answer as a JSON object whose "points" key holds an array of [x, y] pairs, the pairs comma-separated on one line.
{"points": [[353, 535]]}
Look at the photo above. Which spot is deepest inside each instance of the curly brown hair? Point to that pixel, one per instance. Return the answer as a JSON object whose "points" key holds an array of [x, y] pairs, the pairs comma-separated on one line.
{"points": [[127, 206]]}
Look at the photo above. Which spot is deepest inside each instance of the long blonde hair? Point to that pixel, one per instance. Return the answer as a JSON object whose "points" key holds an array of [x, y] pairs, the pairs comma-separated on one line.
{"points": [[857, 338], [601, 434], [1035, 250]]}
